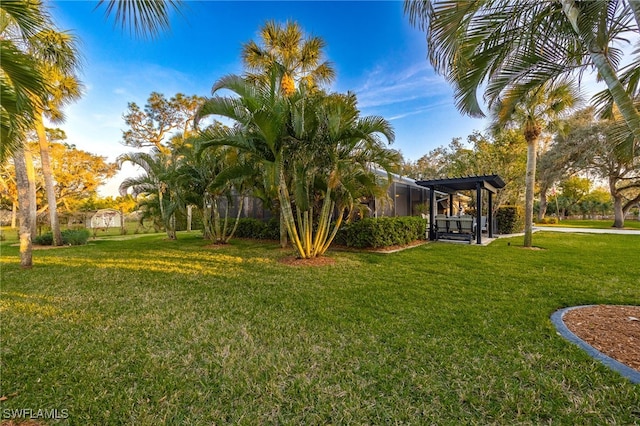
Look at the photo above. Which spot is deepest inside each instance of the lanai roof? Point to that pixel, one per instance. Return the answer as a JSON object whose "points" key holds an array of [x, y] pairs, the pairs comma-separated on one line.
{"points": [[452, 185]]}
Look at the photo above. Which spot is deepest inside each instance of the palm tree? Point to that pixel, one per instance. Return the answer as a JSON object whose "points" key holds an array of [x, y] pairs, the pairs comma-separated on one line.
{"points": [[523, 44], [57, 57], [534, 113], [260, 116], [333, 152], [29, 34], [213, 180], [296, 60], [285, 47], [155, 181], [314, 149], [22, 84]]}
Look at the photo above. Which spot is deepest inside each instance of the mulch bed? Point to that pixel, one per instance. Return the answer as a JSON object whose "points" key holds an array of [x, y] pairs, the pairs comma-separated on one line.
{"points": [[613, 330]]}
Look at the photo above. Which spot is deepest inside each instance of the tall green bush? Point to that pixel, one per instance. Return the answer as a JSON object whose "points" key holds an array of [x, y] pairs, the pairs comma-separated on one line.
{"points": [[510, 219]]}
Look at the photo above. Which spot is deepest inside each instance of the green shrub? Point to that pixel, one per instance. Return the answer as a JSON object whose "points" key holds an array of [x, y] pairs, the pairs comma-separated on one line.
{"points": [[249, 228], [547, 220], [70, 237], [75, 237], [258, 229], [510, 219], [271, 230], [44, 239], [382, 232]]}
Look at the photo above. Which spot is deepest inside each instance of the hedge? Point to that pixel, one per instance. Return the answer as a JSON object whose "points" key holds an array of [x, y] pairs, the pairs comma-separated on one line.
{"points": [[365, 233], [547, 220], [510, 219], [257, 229], [70, 237], [382, 232]]}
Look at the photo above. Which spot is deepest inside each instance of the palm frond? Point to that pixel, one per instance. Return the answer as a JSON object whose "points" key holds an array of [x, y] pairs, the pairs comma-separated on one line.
{"points": [[142, 18]]}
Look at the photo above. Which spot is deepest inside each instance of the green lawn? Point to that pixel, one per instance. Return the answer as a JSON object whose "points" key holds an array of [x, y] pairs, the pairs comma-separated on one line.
{"points": [[149, 331], [132, 228], [598, 224]]}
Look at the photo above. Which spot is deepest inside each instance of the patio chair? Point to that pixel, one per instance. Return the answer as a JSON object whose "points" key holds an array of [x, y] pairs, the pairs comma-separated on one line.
{"points": [[483, 224], [465, 226], [442, 225]]}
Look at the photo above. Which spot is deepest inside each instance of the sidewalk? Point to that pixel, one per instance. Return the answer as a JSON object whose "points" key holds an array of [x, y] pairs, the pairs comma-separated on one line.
{"points": [[587, 230]]}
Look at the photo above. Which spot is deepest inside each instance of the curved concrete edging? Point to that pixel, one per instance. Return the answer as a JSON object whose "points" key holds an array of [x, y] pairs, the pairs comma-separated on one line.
{"points": [[625, 371]]}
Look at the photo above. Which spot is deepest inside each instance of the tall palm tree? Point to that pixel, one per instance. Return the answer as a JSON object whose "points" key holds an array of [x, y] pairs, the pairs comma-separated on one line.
{"points": [[299, 58], [314, 149], [57, 57], [523, 44], [537, 111]]}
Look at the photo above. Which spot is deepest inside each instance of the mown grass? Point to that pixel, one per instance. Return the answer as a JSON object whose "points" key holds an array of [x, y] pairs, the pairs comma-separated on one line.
{"points": [[150, 331], [597, 224], [132, 228]]}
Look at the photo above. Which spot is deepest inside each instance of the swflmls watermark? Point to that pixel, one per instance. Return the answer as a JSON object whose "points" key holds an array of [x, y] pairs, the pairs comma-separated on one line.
{"points": [[33, 414]]}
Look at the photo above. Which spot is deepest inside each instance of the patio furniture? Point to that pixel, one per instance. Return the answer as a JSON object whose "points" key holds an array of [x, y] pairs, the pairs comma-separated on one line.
{"points": [[442, 226], [489, 183], [465, 228]]}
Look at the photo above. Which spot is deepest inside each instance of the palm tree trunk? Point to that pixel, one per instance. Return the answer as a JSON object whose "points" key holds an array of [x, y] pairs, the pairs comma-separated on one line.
{"points": [[24, 200], [189, 217], [172, 225], [606, 71], [166, 221], [289, 220], [206, 217], [123, 229], [14, 214], [47, 172], [287, 212], [225, 223], [31, 191], [530, 181], [283, 230], [235, 225], [216, 220]]}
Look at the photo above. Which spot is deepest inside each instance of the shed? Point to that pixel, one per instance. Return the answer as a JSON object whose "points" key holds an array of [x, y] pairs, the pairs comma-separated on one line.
{"points": [[105, 218]]}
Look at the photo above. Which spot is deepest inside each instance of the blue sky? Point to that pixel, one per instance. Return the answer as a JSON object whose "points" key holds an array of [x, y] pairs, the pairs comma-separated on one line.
{"points": [[374, 50]]}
